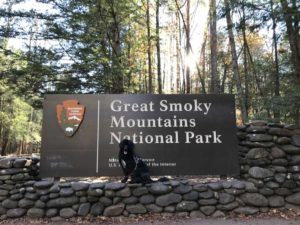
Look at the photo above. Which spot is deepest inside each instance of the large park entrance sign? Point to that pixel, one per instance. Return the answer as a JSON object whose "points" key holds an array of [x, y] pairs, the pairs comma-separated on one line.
{"points": [[174, 134]]}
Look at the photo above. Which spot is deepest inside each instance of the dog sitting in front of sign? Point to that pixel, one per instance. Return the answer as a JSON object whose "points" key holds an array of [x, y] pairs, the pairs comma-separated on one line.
{"points": [[132, 165]]}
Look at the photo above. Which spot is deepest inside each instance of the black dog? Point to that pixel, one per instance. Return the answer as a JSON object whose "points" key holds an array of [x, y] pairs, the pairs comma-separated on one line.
{"points": [[132, 165]]}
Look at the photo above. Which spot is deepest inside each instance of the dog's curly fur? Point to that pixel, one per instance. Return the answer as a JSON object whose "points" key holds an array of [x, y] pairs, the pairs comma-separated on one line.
{"points": [[132, 165]]}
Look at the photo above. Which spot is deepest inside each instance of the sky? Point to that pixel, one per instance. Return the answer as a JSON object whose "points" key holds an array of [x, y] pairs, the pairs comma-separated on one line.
{"points": [[28, 5]]}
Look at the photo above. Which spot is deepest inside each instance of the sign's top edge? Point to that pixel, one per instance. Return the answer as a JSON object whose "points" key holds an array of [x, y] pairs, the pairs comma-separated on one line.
{"points": [[129, 94]]}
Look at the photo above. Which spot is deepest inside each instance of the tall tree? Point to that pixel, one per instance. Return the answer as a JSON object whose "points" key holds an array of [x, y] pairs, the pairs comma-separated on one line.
{"points": [[235, 66], [178, 53], [158, 48], [276, 61], [291, 16], [117, 80], [215, 88], [188, 46], [202, 71], [150, 86], [245, 50]]}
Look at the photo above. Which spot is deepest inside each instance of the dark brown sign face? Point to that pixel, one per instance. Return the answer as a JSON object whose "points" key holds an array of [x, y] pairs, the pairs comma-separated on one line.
{"points": [[174, 134]]}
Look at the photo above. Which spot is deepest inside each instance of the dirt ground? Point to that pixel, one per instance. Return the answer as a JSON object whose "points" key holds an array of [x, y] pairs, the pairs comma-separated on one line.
{"points": [[275, 217], [186, 221]]}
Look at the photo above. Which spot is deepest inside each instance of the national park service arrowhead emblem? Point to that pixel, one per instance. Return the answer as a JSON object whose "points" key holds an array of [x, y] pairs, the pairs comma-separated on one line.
{"points": [[70, 115]]}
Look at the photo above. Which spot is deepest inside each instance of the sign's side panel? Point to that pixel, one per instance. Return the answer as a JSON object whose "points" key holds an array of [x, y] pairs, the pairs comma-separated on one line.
{"points": [[64, 155]]}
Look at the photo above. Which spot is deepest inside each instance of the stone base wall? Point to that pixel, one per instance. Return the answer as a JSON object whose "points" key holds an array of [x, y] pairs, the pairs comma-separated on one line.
{"points": [[270, 178]]}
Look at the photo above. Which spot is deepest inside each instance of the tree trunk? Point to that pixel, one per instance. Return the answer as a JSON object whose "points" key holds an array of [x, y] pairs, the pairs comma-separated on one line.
{"points": [[20, 147], [222, 89], [202, 73], [259, 89], [171, 67], [177, 37], [213, 48], [245, 60], [235, 68], [188, 47], [4, 142], [292, 25], [294, 38], [203, 68], [158, 49], [276, 72], [117, 78], [150, 88], [140, 82], [146, 82], [129, 64]]}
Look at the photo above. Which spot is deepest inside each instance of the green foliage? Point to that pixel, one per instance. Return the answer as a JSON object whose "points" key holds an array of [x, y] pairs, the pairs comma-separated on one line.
{"points": [[98, 39], [288, 104], [100, 46], [19, 121]]}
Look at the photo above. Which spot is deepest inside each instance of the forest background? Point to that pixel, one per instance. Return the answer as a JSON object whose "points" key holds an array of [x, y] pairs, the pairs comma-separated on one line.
{"points": [[250, 48]]}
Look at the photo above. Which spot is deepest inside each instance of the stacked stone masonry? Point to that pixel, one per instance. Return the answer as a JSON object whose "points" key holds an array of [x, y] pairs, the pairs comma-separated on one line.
{"points": [[269, 178]]}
